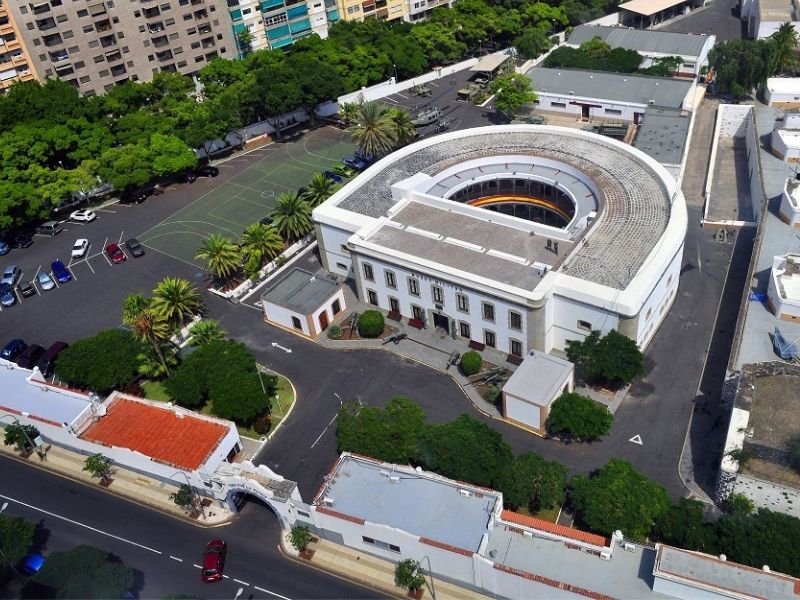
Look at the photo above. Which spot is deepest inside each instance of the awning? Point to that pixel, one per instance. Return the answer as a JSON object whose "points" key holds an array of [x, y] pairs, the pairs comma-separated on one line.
{"points": [[488, 64], [649, 7]]}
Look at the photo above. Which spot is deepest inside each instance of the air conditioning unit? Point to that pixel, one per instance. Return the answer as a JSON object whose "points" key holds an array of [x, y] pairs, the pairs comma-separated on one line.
{"points": [[465, 493], [628, 547], [394, 479], [327, 501]]}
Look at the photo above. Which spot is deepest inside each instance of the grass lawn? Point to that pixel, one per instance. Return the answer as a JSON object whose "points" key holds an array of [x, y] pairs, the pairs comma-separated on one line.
{"points": [[154, 390], [546, 514]]}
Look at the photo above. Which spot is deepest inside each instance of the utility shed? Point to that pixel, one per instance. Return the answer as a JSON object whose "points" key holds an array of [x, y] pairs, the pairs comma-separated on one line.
{"points": [[529, 392], [783, 92], [303, 302]]}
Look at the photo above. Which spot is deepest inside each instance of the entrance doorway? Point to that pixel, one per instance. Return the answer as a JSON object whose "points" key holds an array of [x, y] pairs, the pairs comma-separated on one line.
{"points": [[323, 321], [585, 111], [441, 322]]}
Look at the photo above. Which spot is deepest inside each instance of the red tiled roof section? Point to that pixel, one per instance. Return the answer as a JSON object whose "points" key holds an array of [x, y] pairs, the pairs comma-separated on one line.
{"points": [[184, 442], [569, 532]]}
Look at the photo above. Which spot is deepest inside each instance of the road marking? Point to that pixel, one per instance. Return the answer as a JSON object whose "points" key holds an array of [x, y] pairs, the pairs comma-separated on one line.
{"points": [[260, 589], [226, 576], [401, 95], [637, 439], [196, 566], [277, 345], [176, 558], [324, 430], [89, 527], [242, 582]]}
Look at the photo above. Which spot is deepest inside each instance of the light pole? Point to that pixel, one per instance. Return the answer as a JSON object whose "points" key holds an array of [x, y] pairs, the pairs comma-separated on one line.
{"points": [[5, 559], [25, 433], [430, 572], [195, 496], [264, 389], [480, 47], [395, 72]]}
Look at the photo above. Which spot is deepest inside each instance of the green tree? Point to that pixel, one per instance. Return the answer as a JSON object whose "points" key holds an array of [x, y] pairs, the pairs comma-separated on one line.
{"points": [[83, 572], [176, 299], [618, 497], [404, 130], [148, 326], [512, 91], [578, 417], [390, 434], [470, 363], [292, 216], [784, 42], [408, 574], [245, 39], [684, 526], [740, 66], [613, 359], [205, 331], [300, 537], [534, 482], [533, 43], [763, 538], [738, 504], [16, 538], [155, 365], [169, 155], [222, 256], [348, 112], [260, 243], [184, 497], [98, 466], [374, 130], [20, 435], [314, 81], [101, 363], [320, 188], [370, 324]]}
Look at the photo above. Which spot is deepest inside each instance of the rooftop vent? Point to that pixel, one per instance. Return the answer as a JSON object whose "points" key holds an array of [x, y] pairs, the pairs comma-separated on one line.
{"points": [[394, 479], [465, 493], [327, 501]]}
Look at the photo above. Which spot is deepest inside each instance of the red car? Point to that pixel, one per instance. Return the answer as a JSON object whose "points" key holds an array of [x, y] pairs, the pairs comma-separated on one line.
{"points": [[213, 561], [115, 253]]}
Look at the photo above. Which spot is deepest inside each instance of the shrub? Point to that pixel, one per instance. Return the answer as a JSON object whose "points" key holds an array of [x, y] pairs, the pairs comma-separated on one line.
{"points": [[334, 332], [262, 424], [300, 537], [370, 324], [101, 363], [579, 417], [494, 395], [470, 363]]}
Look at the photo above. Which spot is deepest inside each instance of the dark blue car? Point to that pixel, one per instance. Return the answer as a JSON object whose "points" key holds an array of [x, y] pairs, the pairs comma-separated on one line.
{"points": [[333, 176], [4, 248], [13, 349], [60, 272], [355, 163]]}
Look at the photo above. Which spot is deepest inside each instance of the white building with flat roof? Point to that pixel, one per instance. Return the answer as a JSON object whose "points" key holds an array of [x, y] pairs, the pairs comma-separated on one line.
{"points": [[518, 237]]}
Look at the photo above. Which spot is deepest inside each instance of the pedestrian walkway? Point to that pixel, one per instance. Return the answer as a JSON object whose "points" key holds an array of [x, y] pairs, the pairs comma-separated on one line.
{"points": [[129, 484], [371, 571]]}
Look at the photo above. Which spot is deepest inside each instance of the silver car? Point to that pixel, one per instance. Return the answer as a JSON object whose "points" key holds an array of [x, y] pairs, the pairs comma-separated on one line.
{"points": [[45, 281]]}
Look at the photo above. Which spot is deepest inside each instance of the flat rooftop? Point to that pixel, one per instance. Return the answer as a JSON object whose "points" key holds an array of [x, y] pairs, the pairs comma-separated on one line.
{"points": [[663, 134], [301, 291], [49, 403], [648, 7], [539, 376], [776, 10], [602, 85], [422, 504], [784, 85], [722, 577], [641, 40], [165, 434]]}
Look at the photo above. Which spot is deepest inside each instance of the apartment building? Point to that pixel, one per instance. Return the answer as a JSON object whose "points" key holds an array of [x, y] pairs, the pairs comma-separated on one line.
{"points": [[95, 44], [15, 64], [421, 9], [359, 10], [278, 23]]}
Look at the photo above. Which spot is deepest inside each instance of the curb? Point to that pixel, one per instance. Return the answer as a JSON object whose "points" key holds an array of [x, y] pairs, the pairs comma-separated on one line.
{"points": [[287, 415]]}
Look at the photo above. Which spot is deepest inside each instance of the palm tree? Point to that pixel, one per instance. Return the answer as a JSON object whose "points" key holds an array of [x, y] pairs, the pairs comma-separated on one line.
{"points": [[174, 299], [348, 112], [146, 324], [785, 41], [292, 216], [319, 189], [261, 243], [373, 131], [132, 307], [205, 331], [404, 130], [158, 366], [221, 255]]}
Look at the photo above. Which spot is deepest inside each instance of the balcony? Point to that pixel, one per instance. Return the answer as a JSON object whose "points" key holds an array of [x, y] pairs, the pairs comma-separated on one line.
{"points": [[102, 26], [201, 14], [113, 56], [152, 12], [208, 43], [160, 41], [206, 28], [53, 39], [108, 41], [6, 28], [59, 55], [118, 70], [155, 27], [196, 2], [164, 55], [41, 8], [63, 70], [45, 24]]}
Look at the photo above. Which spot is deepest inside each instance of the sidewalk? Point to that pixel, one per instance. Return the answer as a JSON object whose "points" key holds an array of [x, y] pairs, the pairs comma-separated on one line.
{"points": [[128, 484], [370, 571]]}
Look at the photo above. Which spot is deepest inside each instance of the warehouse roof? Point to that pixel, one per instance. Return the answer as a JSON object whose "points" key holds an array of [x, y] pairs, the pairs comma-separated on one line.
{"points": [[641, 40]]}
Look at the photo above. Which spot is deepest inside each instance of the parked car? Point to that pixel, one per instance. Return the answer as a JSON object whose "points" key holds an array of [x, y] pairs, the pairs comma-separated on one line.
{"points": [[355, 163], [83, 216], [11, 274], [333, 176], [4, 248], [134, 247], [60, 272], [23, 240], [13, 349], [45, 281], [267, 221], [30, 356], [187, 177], [50, 228], [214, 561], [32, 564], [208, 171], [134, 196], [47, 361], [26, 289], [115, 253], [7, 295], [80, 248]]}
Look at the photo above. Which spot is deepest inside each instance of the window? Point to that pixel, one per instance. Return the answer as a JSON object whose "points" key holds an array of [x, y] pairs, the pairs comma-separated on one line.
{"points": [[489, 339], [345, 249], [488, 312], [558, 104], [584, 325], [341, 266], [463, 329], [390, 280], [413, 286], [417, 313], [516, 347], [612, 111], [296, 323], [515, 320], [373, 297], [438, 294], [649, 313], [336, 307], [394, 305], [369, 275], [462, 303], [380, 544]]}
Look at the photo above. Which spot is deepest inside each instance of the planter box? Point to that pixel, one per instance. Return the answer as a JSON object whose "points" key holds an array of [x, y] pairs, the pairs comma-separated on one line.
{"points": [[514, 360], [394, 316], [416, 323], [476, 345]]}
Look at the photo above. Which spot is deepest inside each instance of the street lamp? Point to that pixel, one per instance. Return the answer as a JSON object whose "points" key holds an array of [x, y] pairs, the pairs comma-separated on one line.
{"points": [[195, 496], [25, 433], [480, 47], [430, 572], [395, 72]]}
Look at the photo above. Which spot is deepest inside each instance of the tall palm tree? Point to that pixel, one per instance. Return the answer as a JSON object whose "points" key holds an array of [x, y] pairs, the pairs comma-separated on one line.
{"points": [[373, 131], [404, 130], [261, 243], [146, 324], [132, 307], [348, 112], [174, 299], [221, 255], [785, 40], [320, 188], [204, 331], [292, 216], [157, 366]]}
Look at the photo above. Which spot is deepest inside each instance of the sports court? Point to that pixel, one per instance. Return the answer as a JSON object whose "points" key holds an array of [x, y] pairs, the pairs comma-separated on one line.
{"points": [[251, 194]]}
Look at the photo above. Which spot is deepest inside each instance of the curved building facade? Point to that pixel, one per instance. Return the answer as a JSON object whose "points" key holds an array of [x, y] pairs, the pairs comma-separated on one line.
{"points": [[519, 237]]}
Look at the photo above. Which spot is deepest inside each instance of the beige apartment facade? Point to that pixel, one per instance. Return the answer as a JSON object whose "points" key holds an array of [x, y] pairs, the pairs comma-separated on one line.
{"points": [[96, 44], [359, 10], [15, 64]]}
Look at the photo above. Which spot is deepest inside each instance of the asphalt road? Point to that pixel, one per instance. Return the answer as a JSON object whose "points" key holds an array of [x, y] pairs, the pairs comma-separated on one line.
{"points": [[718, 18], [163, 550]]}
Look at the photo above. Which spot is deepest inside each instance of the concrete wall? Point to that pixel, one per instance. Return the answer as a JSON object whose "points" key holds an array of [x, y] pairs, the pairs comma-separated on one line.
{"points": [[566, 313], [551, 103], [283, 316], [327, 308], [532, 415], [655, 309], [331, 240]]}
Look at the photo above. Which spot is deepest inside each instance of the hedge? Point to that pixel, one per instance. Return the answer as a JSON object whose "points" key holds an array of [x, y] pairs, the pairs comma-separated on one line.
{"points": [[370, 324], [470, 363]]}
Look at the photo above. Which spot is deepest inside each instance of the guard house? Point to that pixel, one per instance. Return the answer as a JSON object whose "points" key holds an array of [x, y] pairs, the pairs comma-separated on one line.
{"points": [[537, 382], [303, 302], [647, 13], [489, 67]]}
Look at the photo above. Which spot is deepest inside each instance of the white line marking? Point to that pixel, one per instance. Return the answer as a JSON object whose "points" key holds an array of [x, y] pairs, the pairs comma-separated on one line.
{"points": [[197, 566], [240, 581], [637, 439], [319, 438], [226, 576], [260, 589], [90, 528], [176, 558]]}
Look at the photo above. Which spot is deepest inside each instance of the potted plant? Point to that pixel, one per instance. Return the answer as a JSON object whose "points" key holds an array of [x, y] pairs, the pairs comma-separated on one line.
{"points": [[300, 537], [99, 466], [408, 574]]}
